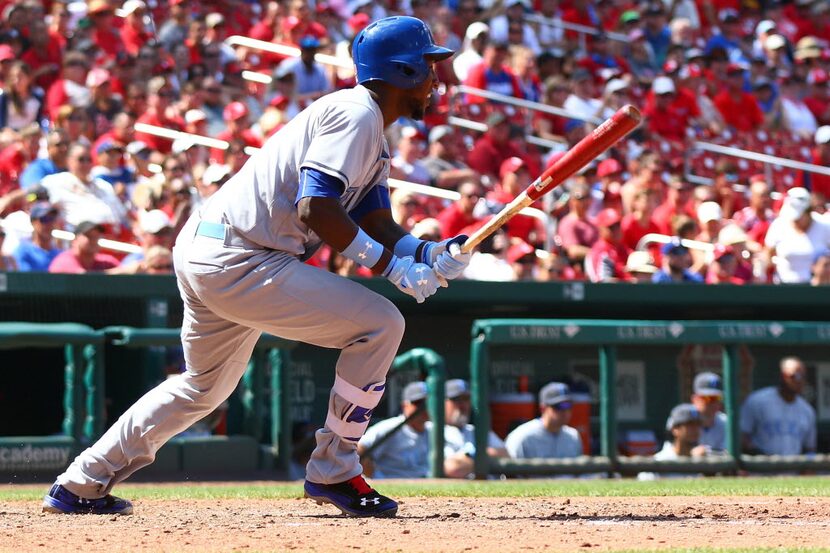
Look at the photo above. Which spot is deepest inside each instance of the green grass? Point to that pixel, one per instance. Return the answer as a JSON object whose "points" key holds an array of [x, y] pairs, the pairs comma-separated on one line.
{"points": [[769, 486]]}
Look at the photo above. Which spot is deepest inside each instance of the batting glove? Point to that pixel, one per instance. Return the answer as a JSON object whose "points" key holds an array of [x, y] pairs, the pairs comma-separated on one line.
{"points": [[433, 250], [452, 262], [414, 279]]}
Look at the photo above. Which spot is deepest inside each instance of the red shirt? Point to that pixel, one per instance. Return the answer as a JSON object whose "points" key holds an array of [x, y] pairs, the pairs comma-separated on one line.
{"points": [[452, 221], [819, 108], [163, 145], [632, 231], [814, 181], [742, 114], [55, 98], [481, 77], [12, 163], [262, 31], [486, 156], [36, 60], [673, 121], [520, 226], [66, 262], [247, 135], [604, 253], [109, 41], [663, 215], [134, 39]]}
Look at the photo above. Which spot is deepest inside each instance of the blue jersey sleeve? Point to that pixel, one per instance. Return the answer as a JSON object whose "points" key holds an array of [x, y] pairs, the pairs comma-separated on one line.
{"points": [[318, 184], [376, 198]]}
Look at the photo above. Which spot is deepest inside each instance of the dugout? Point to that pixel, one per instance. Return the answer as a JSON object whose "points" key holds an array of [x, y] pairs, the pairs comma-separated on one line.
{"points": [[32, 387]]}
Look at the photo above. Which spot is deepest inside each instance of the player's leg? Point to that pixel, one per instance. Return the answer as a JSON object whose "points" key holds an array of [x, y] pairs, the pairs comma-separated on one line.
{"points": [[299, 302], [216, 353]]}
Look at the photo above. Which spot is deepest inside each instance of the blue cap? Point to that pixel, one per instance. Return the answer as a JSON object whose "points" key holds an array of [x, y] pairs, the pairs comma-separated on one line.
{"points": [[309, 41], [415, 391], [456, 387], [40, 210], [554, 394], [674, 246], [682, 414], [708, 384]]}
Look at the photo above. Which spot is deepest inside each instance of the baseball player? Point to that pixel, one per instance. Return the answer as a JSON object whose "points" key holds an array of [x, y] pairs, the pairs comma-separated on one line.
{"points": [[239, 264]]}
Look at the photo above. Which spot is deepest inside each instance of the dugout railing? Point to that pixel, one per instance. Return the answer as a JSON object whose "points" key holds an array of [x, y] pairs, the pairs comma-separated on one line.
{"points": [[606, 336]]}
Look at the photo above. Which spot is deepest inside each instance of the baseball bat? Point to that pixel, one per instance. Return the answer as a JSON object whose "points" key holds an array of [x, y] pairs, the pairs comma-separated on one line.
{"points": [[600, 139]]}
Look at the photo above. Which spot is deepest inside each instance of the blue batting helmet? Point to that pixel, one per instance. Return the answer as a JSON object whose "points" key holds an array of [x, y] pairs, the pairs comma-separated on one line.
{"points": [[396, 50]]}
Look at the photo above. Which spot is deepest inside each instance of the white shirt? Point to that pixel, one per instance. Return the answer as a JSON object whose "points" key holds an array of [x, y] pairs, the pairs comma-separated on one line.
{"points": [[796, 250], [464, 61], [583, 108], [498, 33], [95, 202], [532, 440], [404, 455], [798, 117], [341, 135], [456, 439], [777, 427], [714, 437], [308, 80]]}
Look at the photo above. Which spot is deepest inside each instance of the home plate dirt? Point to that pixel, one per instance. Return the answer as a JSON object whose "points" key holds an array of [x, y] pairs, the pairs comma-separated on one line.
{"points": [[428, 524]]}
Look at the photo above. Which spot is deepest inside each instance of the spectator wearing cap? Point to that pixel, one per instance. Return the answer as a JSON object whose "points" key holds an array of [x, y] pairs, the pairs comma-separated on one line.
{"points": [[756, 217], [445, 159], [777, 420], [160, 96], [575, 231], [13, 160], [606, 260], [514, 15], [459, 434], [134, 34], [797, 115], [723, 267], [84, 254], [311, 79], [407, 210], [729, 37], [71, 87], [154, 228], [104, 105], [640, 265], [795, 237], [213, 178], [733, 235], [548, 436], [476, 39], [657, 31], [43, 55], [493, 73], [739, 109], [406, 161], [677, 202], [36, 255], [104, 35], [57, 147], [462, 212], [710, 217], [236, 116], [21, 102], [638, 222], [216, 31], [683, 429], [774, 51], [514, 177], [669, 112], [111, 168], [707, 397], [523, 260], [305, 24], [676, 263], [493, 147], [615, 95], [79, 196], [138, 159], [402, 449], [603, 59], [174, 29], [121, 133], [548, 126], [820, 155], [582, 102]]}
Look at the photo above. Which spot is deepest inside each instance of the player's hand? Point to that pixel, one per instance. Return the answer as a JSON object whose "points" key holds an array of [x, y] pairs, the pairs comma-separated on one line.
{"points": [[433, 250], [452, 262], [418, 280]]}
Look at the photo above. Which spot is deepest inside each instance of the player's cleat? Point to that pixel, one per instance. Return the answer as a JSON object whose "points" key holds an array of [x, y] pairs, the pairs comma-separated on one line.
{"points": [[354, 497], [60, 500]]}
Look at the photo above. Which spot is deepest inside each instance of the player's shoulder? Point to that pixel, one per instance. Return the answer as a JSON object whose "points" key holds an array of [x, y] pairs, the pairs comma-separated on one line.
{"points": [[353, 102], [571, 432], [525, 430]]}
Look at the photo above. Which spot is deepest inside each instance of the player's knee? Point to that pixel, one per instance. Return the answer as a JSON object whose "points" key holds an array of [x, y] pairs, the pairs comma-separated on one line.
{"points": [[392, 322]]}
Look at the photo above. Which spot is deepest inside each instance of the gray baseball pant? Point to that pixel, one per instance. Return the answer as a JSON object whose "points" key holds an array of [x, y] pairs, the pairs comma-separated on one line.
{"points": [[233, 292]]}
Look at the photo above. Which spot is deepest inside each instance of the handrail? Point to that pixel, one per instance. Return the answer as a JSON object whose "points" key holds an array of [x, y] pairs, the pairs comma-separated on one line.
{"points": [[197, 139], [285, 50], [482, 127], [764, 158], [519, 102], [665, 239], [576, 27]]}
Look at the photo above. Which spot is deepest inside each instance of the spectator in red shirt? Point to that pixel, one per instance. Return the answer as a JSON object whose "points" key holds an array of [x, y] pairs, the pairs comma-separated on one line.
{"points": [[575, 232], [493, 74], [606, 260], [515, 177], [43, 55], [723, 267], [104, 31], [546, 125], [668, 112], [755, 218], [459, 214], [236, 118], [725, 179], [819, 98], [158, 100], [84, 255], [16, 156], [739, 109], [71, 87], [638, 222], [303, 23], [133, 33], [493, 147], [264, 28], [678, 196], [820, 156], [581, 12]]}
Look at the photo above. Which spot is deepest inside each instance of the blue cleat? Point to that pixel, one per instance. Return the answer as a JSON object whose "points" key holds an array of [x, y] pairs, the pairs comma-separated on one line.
{"points": [[353, 497], [62, 501]]}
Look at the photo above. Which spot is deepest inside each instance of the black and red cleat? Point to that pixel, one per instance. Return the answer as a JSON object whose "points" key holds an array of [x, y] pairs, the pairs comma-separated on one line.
{"points": [[353, 497]]}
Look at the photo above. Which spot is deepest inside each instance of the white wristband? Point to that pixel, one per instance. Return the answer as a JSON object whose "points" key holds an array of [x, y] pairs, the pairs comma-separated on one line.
{"points": [[407, 246], [363, 250]]}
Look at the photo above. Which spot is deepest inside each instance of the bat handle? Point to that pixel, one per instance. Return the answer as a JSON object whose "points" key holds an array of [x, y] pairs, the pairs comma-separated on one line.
{"points": [[492, 225]]}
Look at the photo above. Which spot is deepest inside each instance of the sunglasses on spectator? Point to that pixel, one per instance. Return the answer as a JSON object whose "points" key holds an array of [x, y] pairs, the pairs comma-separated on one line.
{"points": [[710, 399], [473, 195], [176, 169], [162, 267], [46, 219], [84, 159]]}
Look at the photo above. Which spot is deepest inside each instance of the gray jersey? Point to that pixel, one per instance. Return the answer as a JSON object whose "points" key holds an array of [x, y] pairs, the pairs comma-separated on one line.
{"points": [[532, 440], [778, 427], [715, 436], [340, 134], [404, 455]]}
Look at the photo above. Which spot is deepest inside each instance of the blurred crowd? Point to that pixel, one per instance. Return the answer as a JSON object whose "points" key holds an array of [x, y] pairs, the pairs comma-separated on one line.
{"points": [[92, 92]]}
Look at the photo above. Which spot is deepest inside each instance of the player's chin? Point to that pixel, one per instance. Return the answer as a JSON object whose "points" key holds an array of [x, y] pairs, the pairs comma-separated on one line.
{"points": [[418, 113]]}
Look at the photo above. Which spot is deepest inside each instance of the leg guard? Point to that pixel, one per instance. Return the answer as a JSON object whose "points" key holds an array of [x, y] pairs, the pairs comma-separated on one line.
{"points": [[350, 420]]}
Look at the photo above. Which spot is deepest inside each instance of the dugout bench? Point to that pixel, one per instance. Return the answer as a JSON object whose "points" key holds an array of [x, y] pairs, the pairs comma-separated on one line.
{"points": [[607, 336]]}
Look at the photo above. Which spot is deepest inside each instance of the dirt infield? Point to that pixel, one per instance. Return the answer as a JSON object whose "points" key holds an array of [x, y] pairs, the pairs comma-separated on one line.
{"points": [[428, 524]]}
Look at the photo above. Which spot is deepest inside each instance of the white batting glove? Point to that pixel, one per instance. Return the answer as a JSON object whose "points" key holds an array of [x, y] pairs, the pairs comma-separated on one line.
{"points": [[452, 262], [433, 250], [418, 280]]}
